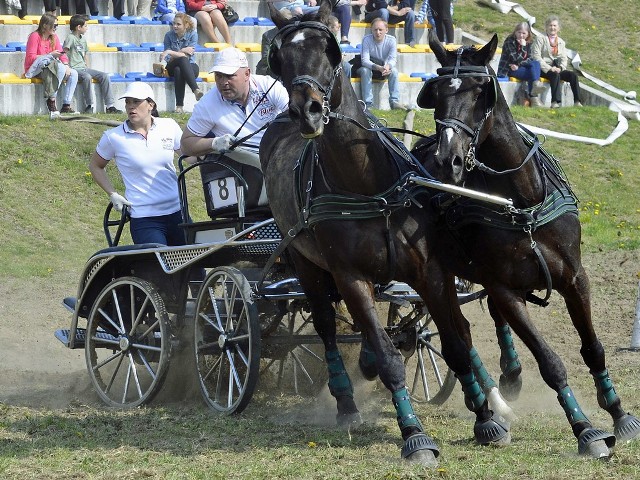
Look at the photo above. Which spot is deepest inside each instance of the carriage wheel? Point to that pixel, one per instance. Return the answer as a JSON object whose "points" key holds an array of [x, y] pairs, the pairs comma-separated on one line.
{"points": [[293, 354], [227, 340], [128, 342], [428, 376]]}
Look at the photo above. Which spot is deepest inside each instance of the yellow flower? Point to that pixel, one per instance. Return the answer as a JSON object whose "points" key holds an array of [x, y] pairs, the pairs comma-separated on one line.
{"points": [[312, 445]]}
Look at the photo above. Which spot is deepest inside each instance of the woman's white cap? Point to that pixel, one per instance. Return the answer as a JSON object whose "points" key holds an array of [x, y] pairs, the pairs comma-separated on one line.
{"points": [[139, 91]]}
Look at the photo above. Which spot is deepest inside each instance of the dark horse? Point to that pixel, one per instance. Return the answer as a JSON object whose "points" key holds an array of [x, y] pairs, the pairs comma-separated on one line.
{"points": [[339, 191], [512, 252]]}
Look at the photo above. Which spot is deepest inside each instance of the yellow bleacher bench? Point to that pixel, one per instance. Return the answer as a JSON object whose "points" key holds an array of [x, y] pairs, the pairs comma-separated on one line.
{"points": [[216, 46], [14, 20], [249, 47], [13, 78], [100, 47]]}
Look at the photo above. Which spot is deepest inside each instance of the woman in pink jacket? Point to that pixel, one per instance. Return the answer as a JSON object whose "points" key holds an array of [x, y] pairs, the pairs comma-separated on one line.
{"points": [[45, 59]]}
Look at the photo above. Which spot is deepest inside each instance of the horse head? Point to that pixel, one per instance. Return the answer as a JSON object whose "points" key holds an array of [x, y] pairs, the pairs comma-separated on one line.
{"points": [[463, 95], [306, 56]]}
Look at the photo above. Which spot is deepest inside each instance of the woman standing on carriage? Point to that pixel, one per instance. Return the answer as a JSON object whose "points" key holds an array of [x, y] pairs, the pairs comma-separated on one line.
{"points": [[179, 52], [143, 148], [516, 61]]}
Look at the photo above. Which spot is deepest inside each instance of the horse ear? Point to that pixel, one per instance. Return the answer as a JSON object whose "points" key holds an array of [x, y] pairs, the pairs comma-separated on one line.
{"points": [[486, 53], [326, 6], [279, 19], [437, 48]]}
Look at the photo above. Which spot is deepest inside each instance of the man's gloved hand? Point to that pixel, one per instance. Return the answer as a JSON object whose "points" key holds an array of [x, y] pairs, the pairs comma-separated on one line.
{"points": [[118, 201], [223, 143]]}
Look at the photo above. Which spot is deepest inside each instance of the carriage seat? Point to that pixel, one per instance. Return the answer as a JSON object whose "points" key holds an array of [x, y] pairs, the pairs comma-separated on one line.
{"points": [[223, 175]]}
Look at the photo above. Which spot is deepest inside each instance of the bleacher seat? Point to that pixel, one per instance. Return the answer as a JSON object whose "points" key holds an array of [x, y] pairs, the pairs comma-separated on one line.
{"points": [[13, 78], [424, 76], [6, 49], [153, 46], [128, 47], [217, 46], [14, 20], [249, 47], [99, 47], [140, 20], [17, 46]]}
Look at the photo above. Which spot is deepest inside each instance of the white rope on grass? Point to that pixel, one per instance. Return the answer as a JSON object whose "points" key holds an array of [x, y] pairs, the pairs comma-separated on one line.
{"points": [[620, 128]]}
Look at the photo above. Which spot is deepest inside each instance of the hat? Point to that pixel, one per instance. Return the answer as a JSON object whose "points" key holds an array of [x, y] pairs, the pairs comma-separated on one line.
{"points": [[229, 61], [139, 91]]}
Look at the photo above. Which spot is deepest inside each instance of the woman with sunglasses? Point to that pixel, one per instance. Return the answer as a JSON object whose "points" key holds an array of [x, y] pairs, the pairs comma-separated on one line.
{"points": [[45, 59]]}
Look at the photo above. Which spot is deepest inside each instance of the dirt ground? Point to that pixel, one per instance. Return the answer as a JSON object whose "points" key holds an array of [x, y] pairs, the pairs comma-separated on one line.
{"points": [[36, 370]]}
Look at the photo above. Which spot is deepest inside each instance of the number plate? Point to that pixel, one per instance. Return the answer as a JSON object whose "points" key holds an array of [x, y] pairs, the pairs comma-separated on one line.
{"points": [[223, 192]]}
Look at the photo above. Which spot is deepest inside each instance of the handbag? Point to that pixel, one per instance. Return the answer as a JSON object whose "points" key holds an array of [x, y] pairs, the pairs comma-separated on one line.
{"points": [[159, 70], [229, 14]]}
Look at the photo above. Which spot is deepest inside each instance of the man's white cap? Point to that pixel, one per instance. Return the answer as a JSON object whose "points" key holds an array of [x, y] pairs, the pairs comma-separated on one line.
{"points": [[139, 91], [229, 61]]}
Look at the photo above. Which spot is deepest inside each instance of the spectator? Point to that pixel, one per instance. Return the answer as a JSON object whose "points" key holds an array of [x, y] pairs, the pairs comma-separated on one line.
{"points": [[139, 8], [516, 61], [402, 11], [179, 52], [262, 68], [378, 57], [426, 15], [166, 10], [75, 46], [444, 21], [334, 26], [551, 52], [45, 59], [209, 16], [375, 9], [80, 7], [297, 7], [342, 12], [143, 148]]}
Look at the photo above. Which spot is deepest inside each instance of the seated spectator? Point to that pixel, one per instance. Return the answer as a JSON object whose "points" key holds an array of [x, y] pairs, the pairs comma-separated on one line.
{"points": [[209, 16], [516, 61], [179, 53], [402, 11], [75, 46], [550, 50], [262, 68], [378, 56], [45, 59], [297, 7], [166, 10], [425, 15], [342, 11]]}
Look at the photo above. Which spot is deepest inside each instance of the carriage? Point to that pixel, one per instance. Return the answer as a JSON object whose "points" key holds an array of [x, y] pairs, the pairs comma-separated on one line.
{"points": [[214, 306]]}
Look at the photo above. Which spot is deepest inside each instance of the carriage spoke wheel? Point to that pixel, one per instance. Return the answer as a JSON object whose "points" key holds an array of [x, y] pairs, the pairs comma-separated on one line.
{"points": [[429, 378], [293, 355], [227, 340], [128, 345]]}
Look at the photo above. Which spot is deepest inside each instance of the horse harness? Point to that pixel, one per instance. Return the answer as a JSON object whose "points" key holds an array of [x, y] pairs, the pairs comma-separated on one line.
{"points": [[461, 212]]}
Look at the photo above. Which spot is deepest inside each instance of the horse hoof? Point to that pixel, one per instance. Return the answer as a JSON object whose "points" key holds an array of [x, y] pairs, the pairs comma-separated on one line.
{"points": [[420, 448], [596, 443], [494, 431], [499, 406], [626, 428], [510, 387], [349, 420]]}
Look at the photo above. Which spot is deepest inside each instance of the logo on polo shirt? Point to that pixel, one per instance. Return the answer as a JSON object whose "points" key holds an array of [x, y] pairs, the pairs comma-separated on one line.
{"points": [[167, 143]]}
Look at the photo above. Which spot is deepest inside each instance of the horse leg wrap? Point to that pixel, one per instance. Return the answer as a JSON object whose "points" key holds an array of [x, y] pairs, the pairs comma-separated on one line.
{"points": [[339, 381], [405, 414], [570, 405], [485, 380], [474, 397], [509, 361], [607, 395]]}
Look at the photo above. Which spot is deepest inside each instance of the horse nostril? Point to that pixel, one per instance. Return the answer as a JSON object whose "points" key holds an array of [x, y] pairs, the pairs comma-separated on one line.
{"points": [[315, 108], [457, 163]]}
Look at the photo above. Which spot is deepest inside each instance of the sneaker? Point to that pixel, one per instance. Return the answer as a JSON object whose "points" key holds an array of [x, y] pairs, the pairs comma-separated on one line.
{"points": [[198, 93], [113, 110], [179, 110], [66, 108], [399, 106], [88, 109], [577, 104], [555, 105], [54, 115], [412, 44], [51, 105]]}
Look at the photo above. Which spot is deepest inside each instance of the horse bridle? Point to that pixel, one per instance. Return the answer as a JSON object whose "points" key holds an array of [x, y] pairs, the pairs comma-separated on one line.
{"points": [[308, 80], [463, 71]]}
